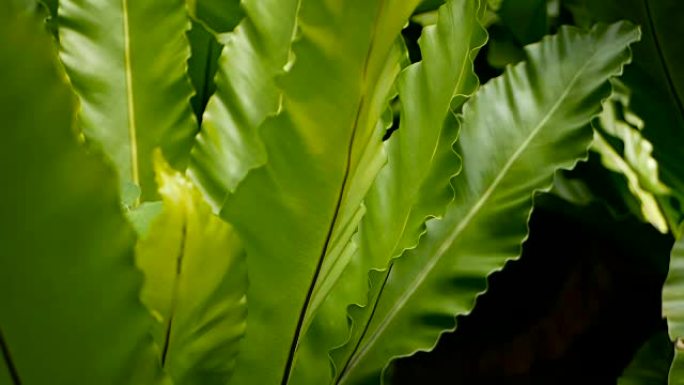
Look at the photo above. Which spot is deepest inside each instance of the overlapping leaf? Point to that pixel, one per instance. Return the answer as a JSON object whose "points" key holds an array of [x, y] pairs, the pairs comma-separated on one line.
{"points": [[195, 284], [326, 319], [69, 306], [518, 130], [228, 146], [414, 184], [292, 212], [126, 61]]}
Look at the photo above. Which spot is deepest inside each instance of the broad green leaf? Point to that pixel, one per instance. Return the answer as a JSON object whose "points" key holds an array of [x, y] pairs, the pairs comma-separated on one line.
{"points": [[24, 7], [655, 78], [195, 284], [297, 212], [126, 61], [419, 155], [673, 309], [326, 320], [651, 363], [227, 146], [69, 306], [414, 185], [518, 130]]}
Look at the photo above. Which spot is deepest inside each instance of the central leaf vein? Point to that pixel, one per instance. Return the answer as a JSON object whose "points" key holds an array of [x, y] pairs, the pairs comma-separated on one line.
{"points": [[175, 293], [132, 130], [464, 223], [360, 107]]}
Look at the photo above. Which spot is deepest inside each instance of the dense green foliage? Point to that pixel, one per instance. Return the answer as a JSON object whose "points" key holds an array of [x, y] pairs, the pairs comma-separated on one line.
{"points": [[301, 191]]}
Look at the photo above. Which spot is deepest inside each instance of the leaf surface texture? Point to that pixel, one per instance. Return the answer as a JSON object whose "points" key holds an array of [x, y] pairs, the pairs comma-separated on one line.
{"points": [[518, 130], [126, 61]]}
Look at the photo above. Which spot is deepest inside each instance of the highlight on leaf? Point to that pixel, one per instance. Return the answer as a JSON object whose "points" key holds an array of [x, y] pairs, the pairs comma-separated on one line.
{"points": [[195, 283], [299, 192]]}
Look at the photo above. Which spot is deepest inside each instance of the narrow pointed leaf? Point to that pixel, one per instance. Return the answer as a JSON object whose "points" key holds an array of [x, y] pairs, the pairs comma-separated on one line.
{"points": [[292, 212], [414, 185], [511, 144], [69, 306], [228, 145], [195, 284], [126, 60]]}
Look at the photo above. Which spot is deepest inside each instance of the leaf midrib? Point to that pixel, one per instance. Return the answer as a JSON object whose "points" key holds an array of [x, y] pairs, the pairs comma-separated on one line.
{"points": [[462, 225], [175, 290], [130, 102], [305, 307], [395, 253]]}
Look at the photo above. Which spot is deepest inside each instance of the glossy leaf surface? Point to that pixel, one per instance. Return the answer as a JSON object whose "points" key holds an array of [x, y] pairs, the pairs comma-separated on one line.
{"points": [[131, 81], [414, 185], [254, 53], [509, 152], [294, 211], [419, 154]]}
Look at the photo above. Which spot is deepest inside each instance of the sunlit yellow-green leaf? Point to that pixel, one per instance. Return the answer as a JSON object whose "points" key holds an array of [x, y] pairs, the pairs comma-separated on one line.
{"points": [[254, 53], [195, 284]]}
